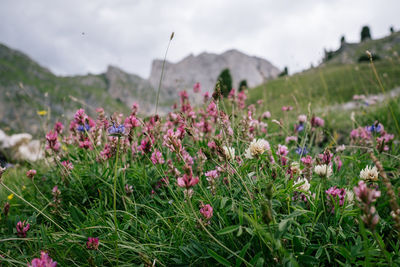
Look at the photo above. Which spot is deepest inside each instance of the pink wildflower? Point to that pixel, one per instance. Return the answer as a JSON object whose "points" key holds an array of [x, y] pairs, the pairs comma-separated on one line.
{"points": [[31, 174], [206, 211], [157, 157], [196, 87], [22, 228], [58, 127], [52, 141], [43, 261], [92, 243]]}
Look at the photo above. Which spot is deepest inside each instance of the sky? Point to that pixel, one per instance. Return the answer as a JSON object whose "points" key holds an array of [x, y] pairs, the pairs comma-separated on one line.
{"points": [[85, 36]]}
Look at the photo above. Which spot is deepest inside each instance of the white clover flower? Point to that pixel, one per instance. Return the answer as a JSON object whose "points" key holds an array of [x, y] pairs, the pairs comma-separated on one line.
{"points": [[305, 184], [323, 170], [349, 195], [256, 148], [229, 152], [369, 173]]}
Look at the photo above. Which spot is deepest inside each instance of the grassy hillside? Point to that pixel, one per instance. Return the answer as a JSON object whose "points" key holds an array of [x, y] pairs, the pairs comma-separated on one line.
{"points": [[26, 88], [326, 85]]}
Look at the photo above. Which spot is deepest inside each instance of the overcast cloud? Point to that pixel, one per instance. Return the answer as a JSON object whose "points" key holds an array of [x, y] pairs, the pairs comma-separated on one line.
{"points": [[81, 36]]}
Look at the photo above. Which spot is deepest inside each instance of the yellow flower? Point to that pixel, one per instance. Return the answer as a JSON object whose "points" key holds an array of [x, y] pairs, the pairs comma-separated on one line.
{"points": [[23, 187], [10, 197], [64, 148], [42, 112]]}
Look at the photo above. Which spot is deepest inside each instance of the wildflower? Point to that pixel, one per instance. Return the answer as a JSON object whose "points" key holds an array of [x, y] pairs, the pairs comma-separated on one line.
{"points": [[317, 122], [67, 165], [11, 196], [197, 87], [229, 152], [266, 115], [307, 160], [92, 243], [375, 128], [128, 189], [294, 169], [31, 174], [256, 148], [58, 127], [323, 170], [211, 176], [43, 261], [22, 228], [42, 112], [187, 181], [83, 128], [302, 118], [336, 193], [116, 130], [305, 185], [340, 148], [6, 209], [290, 139], [366, 196], [349, 196], [52, 141], [206, 211], [301, 151], [282, 150], [369, 174], [338, 163], [156, 157], [86, 144]]}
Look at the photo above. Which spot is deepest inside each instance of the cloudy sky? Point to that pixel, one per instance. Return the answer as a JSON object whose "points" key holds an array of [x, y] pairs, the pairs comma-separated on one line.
{"points": [[81, 36]]}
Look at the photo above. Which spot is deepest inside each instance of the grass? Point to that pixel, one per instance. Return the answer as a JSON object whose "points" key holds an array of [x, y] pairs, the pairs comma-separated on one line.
{"points": [[258, 218]]}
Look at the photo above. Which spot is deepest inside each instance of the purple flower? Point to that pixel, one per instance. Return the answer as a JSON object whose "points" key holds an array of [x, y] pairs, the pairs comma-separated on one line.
{"points": [[301, 151], [116, 130]]}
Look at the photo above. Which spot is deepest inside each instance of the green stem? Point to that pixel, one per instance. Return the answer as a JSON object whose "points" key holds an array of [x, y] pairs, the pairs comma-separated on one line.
{"points": [[27, 202], [115, 200]]}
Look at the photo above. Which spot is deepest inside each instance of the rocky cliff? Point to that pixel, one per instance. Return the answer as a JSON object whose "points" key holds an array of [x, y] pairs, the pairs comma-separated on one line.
{"points": [[206, 67]]}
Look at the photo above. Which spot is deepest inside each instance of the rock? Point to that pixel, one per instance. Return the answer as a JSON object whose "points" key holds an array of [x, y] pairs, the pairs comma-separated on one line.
{"points": [[20, 147], [205, 69]]}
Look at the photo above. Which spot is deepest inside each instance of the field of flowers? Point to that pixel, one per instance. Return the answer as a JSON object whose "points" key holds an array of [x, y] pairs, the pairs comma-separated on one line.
{"points": [[205, 186]]}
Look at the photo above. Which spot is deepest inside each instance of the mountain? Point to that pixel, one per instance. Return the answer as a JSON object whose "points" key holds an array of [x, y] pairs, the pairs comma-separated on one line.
{"points": [[206, 67], [26, 87]]}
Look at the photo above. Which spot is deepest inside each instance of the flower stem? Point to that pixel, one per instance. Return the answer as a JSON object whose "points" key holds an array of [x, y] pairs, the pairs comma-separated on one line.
{"points": [[115, 200]]}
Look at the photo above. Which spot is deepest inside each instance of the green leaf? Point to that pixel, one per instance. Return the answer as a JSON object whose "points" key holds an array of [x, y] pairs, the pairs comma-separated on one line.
{"points": [[218, 258], [242, 253], [228, 230], [223, 202]]}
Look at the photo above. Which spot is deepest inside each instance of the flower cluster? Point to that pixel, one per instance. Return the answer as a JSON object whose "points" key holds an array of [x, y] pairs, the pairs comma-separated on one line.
{"points": [[43, 261], [366, 197]]}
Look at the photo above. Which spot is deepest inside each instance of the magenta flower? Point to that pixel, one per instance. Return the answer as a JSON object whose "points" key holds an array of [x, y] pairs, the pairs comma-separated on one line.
{"points": [[197, 87], [187, 181], [206, 211], [80, 116], [157, 157], [68, 165], [86, 144], [22, 228], [307, 160], [43, 261], [92, 243], [282, 150], [31, 174], [52, 141], [336, 193], [58, 127]]}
